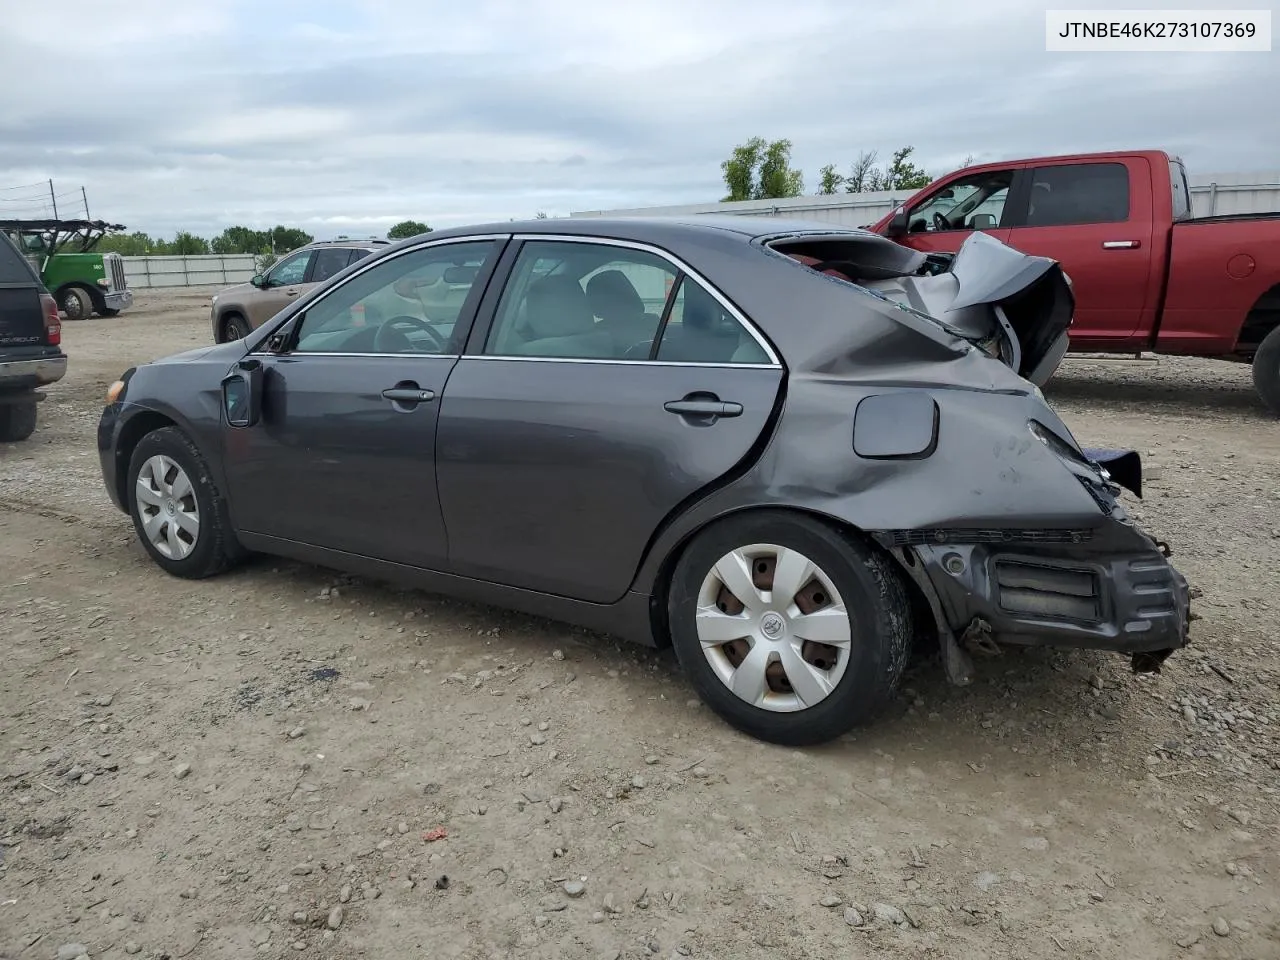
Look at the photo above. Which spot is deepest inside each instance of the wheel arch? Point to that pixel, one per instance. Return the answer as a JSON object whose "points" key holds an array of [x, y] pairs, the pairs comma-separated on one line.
{"points": [[660, 586], [131, 433], [1262, 318], [225, 314]]}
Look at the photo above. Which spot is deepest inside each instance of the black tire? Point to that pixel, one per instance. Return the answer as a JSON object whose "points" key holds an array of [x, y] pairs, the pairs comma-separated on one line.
{"points": [[17, 420], [1266, 370], [234, 327], [215, 547], [76, 303], [879, 619]]}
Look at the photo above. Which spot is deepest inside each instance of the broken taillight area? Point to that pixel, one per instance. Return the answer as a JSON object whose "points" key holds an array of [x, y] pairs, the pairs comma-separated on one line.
{"points": [[52, 326]]}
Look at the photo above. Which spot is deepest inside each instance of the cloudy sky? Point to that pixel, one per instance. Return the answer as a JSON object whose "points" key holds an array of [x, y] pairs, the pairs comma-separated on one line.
{"points": [[345, 116]]}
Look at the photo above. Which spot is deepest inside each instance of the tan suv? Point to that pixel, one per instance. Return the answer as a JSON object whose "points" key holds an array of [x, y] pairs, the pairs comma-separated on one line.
{"points": [[238, 310]]}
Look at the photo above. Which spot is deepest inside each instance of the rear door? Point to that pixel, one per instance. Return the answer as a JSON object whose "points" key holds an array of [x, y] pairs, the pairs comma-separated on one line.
{"points": [[942, 220], [574, 426], [1096, 219], [281, 285]]}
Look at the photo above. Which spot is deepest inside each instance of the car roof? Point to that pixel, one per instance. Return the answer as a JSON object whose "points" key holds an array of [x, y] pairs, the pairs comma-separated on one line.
{"points": [[653, 229]]}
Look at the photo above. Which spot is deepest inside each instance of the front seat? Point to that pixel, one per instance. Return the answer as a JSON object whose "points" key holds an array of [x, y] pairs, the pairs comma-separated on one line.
{"points": [[560, 322], [620, 309]]}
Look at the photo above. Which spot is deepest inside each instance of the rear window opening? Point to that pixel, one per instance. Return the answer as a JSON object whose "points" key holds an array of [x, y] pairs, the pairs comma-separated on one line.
{"points": [[858, 259]]}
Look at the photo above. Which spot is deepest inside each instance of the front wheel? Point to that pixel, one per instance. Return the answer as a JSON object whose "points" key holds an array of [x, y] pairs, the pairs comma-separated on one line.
{"points": [[789, 630], [77, 303], [235, 327], [1266, 370], [177, 510]]}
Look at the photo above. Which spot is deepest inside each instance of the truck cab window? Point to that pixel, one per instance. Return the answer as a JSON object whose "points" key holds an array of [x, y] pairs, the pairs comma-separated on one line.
{"points": [[970, 203], [1077, 193]]}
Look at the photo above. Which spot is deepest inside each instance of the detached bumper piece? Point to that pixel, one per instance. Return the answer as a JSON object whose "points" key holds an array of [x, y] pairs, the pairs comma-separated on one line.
{"points": [[1027, 594]]}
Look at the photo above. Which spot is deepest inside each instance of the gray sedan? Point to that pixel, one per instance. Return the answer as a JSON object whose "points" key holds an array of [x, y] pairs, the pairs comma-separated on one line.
{"points": [[786, 450]]}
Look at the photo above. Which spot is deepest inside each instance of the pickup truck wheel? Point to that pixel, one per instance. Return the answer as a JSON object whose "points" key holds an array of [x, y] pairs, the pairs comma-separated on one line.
{"points": [[177, 510], [1266, 370], [17, 420]]}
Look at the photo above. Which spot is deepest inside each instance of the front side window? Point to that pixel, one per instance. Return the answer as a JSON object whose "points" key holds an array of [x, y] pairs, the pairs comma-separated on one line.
{"points": [[970, 203], [289, 271], [1078, 193], [411, 303]]}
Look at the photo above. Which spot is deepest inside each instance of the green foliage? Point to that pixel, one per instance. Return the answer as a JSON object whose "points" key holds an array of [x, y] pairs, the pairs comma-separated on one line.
{"points": [[189, 245], [760, 170], [407, 228], [899, 174], [828, 180]]}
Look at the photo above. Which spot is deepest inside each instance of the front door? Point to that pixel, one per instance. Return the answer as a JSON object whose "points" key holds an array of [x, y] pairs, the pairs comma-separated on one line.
{"points": [[281, 285], [1096, 220], [343, 456], [945, 218], [609, 389]]}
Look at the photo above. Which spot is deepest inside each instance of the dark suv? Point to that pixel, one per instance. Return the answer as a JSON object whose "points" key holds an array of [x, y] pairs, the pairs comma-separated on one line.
{"points": [[30, 338], [238, 310]]}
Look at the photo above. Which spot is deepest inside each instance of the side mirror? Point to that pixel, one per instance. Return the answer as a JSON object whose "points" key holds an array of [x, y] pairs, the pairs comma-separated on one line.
{"points": [[257, 280], [897, 226], [242, 394]]}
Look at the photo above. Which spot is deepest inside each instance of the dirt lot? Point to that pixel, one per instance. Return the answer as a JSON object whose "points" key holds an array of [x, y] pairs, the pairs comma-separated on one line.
{"points": [[253, 765]]}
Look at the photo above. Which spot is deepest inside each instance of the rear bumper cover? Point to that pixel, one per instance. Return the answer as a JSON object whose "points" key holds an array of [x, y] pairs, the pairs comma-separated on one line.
{"points": [[1030, 594], [29, 374]]}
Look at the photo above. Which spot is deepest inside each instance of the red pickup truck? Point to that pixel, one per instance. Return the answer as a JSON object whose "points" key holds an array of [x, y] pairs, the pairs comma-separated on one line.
{"points": [[1147, 275]]}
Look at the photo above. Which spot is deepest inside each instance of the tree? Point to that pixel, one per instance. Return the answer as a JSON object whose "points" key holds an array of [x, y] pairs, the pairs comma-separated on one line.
{"points": [[187, 244], [863, 174], [406, 229], [828, 180], [902, 174], [284, 239], [760, 170], [540, 215]]}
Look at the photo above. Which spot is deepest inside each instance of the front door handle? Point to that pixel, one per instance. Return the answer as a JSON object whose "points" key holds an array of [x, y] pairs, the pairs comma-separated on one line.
{"points": [[408, 394], [1121, 244], [703, 408]]}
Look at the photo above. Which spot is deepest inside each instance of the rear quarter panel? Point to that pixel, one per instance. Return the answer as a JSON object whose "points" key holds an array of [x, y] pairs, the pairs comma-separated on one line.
{"points": [[1218, 270]]}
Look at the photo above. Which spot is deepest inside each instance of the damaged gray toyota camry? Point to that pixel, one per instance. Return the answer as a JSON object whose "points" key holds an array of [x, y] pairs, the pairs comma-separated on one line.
{"points": [[785, 449]]}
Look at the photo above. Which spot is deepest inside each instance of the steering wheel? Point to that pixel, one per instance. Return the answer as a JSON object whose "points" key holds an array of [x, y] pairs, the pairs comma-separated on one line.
{"points": [[940, 222], [384, 342]]}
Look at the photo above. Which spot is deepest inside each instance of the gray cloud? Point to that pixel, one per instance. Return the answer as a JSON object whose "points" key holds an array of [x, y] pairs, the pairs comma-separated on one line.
{"points": [[344, 118]]}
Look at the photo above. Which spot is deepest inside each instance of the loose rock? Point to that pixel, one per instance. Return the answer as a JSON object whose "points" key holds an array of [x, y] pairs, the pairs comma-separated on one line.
{"points": [[575, 888], [1221, 927], [182, 770], [831, 900], [70, 951], [335, 918]]}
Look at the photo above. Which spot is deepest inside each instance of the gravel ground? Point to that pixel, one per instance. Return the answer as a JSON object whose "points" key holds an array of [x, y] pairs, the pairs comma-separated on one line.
{"points": [[287, 762]]}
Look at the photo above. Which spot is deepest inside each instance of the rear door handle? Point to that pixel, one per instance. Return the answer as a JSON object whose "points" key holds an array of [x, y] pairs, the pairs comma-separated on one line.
{"points": [[1121, 244], [703, 408]]}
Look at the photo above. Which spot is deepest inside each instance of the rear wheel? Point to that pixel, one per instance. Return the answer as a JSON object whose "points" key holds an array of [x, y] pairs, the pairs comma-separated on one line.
{"points": [[235, 327], [176, 507], [76, 303], [788, 629], [17, 420], [1266, 370]]}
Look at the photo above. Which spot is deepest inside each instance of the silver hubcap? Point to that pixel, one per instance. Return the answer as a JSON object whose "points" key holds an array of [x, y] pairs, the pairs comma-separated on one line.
{"points": [[773, 627], [167, 507]]}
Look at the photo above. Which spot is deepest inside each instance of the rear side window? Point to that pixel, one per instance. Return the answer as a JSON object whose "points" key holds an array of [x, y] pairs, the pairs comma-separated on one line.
{"points": [[327, 262], [1078, 193], [13, 266]]}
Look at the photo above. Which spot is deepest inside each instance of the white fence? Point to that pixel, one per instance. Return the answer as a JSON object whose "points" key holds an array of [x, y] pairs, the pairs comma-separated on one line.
{"points": [[1211, 193], [195, 271]]}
